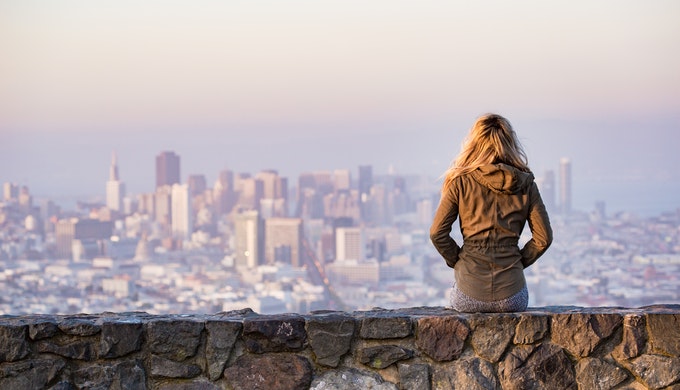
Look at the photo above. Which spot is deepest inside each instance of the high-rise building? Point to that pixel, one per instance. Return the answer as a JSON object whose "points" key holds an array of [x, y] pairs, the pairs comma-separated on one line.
{"points": [[10, 191], [283, 241], [197, 184], [365, 184], [248, 239], [167, 169], [546, 186], [223, 193], [182, 221], [115, 189], [349, 244], [565, 186], [342, 179]]}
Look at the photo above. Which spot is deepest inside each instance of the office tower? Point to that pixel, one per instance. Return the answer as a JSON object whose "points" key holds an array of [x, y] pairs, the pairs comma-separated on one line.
{"points": [[223, 193], [163, 206], [365, 184], [425, 212], [182, 221], [248, 239], [342, 204], [349, 244], [274, 201], [197, 184], [167, 169], [283, 241], [342, 179], [10, 191], [546, 185], [115, 189], [565, 186], [251, 193], [88, 234]]}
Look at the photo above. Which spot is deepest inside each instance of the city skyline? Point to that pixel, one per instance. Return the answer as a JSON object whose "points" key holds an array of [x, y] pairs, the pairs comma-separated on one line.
{"points": [[306, 86]]}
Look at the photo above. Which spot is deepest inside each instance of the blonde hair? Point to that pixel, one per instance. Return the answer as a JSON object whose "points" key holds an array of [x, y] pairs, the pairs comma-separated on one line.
{"points": [[491, 140]]}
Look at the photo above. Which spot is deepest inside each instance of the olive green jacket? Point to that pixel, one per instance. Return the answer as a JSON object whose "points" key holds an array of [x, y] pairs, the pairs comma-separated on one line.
{"points": [[493, 203]]}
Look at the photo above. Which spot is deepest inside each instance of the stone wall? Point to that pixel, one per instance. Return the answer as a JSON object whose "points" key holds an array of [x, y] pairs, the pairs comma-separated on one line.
{"points": [[413, 348]]}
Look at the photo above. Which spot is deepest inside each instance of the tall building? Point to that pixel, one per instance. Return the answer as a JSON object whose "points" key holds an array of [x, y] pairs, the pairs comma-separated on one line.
{"points": [[223, 193], [248, 239], [167, 169], [182, 221], [197, 184], [565, 186], [283, 241], [342, 179], [115, 189], [365, 184], [547, 187], [10, 191], [349, 244]]}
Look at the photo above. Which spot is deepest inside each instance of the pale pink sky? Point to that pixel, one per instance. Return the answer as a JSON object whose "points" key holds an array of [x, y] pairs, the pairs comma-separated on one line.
{"points": [[596, 81]]}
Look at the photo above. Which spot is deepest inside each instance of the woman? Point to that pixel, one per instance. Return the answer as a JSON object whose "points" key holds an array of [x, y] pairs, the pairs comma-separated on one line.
{"points": [[490, 187]]}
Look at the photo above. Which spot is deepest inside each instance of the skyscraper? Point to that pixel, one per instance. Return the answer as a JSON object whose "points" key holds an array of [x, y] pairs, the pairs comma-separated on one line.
{"points": [[167, 169], [283, 241], [349, 244], [115, 189], [182, 221], [248, 239], [565, 186], [546, 185]]}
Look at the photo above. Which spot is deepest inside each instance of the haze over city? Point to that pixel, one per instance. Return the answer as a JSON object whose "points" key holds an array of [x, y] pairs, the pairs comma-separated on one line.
{"points": [[302, 85]]}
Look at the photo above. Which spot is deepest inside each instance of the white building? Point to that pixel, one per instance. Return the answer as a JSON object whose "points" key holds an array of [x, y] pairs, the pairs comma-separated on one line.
{"points": [[182, 217]]}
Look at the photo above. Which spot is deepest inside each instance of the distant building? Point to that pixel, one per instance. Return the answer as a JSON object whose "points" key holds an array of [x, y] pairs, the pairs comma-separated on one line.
{"points": [[197, 184], [283, 241], [565, 186], [224, 196], [90, 235], [349, 243], [342, 179], [167, 169], [248, 239], [182, 215], [10, 191], [115, 189], [546, 185]]}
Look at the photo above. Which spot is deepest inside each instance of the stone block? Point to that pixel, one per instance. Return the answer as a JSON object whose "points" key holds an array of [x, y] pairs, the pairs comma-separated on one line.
{"points": [[656, 372], [166, 368], [30, 374], [664, 333], [277, 333], [633, 339], [441, 338], [270, 372], [385, 327], [545, 366], [330, 337], [222, 336], [42, 329], [581, 333], [80, 326], [383, 356], [531, 328], [120, 338], [76, 349], [128, 374], [467, 374], [172, 338], [597, 374], [414, 376], [13, 344], [491, 335], [350, 378]]}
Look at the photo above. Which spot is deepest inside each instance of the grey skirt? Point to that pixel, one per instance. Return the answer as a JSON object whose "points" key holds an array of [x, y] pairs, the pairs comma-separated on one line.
{"points": [[461, 302]]}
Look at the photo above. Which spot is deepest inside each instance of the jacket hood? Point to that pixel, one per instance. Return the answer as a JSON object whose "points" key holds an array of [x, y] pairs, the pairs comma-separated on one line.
{"points": [[503, 178]]}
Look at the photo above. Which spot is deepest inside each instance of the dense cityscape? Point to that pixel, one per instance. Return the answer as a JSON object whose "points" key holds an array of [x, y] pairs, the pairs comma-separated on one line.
{"points": [[338, 239]]}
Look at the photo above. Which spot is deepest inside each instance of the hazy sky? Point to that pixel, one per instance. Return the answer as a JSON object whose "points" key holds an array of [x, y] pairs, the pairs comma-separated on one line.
{"points": [[310, 85]]}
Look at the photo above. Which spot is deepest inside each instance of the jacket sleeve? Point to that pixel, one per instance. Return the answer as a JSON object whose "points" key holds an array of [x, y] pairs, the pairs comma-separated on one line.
{"points": [[541, 232], [445, 216]]}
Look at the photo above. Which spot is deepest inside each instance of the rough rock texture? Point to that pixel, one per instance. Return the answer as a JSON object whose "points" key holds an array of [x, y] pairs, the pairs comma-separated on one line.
{"points": [[442, 338], [350, 379], [270, 372], [412, 348], [321, 329]]}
